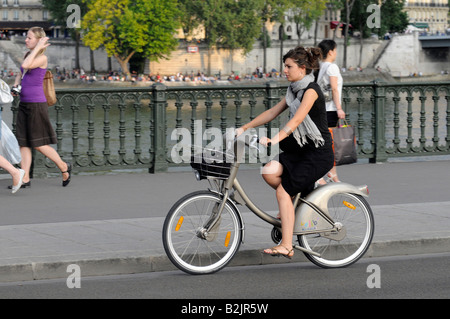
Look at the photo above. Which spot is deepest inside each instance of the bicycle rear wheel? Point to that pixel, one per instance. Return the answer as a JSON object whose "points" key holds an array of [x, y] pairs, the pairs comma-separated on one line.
{"points": [[186, 242], [353, 215]]}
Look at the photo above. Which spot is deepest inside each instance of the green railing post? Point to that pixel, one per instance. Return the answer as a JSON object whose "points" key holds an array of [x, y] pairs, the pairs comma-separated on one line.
{"points": [[159, 128], [272, 98], [379, 95]]}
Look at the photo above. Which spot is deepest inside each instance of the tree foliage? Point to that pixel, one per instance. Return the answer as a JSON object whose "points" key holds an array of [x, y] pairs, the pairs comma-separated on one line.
{"points": [[227, 23], [126, 27], [58, 10], [59, 16], [243, 24], [274, 11], [305, 12], [392, 17]]}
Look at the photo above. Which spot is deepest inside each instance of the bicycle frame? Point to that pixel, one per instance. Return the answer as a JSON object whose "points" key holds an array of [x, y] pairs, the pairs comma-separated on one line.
{"points": [[311, 213]]}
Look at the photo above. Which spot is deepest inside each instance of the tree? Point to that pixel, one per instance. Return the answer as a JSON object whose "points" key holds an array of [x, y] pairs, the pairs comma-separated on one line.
{"points": [[205, 13], [392, 19], [348, 9], [305, 12], [126, 27], [227, 23], [59, 14], [241, 26], [358, 19], [274, 11], [336, 6]]}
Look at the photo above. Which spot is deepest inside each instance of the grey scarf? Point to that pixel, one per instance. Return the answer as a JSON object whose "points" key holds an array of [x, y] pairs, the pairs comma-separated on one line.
{"points": [[307, 128]]}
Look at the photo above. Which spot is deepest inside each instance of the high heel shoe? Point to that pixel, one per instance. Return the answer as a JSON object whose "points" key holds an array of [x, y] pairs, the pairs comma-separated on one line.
{"points": [[69, 171], [15, 188]]}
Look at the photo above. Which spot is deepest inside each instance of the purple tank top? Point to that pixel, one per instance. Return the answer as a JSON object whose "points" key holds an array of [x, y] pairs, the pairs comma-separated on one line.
{"points": [[32, 86]]}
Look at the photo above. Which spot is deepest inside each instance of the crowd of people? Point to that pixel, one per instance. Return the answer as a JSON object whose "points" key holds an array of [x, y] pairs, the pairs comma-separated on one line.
{"points": [[198, 77]]}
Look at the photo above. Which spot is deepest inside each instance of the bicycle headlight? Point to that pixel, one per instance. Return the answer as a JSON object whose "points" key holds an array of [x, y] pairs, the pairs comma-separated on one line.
{"points": [[197, 175]]}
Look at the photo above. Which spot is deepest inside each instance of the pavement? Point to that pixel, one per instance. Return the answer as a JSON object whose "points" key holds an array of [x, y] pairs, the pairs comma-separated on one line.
{"points": [[111, 223]]}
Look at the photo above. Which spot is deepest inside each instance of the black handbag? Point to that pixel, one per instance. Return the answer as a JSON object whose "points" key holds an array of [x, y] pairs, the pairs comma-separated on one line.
{"points": [[344, 144]]}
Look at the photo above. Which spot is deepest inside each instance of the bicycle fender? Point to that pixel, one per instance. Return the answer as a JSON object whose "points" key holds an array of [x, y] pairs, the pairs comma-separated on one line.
{"points": [[307, 219]]}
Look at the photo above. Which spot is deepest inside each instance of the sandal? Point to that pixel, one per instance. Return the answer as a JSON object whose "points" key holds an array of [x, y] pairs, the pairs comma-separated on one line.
{"points": [[69, 171], [333, 177], [276, 253]]}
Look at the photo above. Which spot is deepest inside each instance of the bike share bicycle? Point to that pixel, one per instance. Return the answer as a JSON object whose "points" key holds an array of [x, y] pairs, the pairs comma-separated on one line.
{"points": [[203, 231]]}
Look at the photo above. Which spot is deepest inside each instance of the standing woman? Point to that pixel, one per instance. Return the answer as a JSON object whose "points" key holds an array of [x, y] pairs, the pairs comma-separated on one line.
{"points": [[33, 127], [305, 141], [332, 76]]}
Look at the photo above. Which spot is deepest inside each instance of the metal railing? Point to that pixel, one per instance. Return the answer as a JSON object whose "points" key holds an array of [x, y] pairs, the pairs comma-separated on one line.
{"points": [[129, 128]]}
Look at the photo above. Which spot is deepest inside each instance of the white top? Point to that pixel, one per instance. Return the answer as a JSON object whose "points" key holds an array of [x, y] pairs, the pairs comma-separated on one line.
{"points": [[333, 70]]}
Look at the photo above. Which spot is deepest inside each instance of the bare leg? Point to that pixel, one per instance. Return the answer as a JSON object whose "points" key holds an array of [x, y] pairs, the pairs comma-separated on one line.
{"points": [[287, 221], [14, 172], [272, 172], [25, 164], [53, 155], [272, 175], [287, 215]]}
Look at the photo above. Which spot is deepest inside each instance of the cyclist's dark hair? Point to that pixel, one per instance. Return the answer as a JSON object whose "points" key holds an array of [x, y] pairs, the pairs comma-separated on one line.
{"points": [[307, 57]]}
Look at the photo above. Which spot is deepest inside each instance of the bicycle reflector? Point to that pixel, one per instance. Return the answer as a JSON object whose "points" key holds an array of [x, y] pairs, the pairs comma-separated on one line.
{"points": [[227, 239], [349, 205], [180, 221]]}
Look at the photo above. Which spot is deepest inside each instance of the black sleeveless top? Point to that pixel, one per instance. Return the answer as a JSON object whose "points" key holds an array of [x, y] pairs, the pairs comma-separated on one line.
{"points": [[318, 115]]}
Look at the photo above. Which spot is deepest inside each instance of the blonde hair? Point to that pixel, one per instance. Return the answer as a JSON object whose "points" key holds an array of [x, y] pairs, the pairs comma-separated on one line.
{"points": [[38, 33]]}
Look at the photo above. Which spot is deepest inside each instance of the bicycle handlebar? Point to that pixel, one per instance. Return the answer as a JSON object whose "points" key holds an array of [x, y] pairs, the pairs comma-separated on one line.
{"points": [[254, 141]]}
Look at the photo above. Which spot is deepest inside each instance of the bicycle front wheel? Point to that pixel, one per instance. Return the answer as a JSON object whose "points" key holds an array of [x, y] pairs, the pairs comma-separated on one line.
{"points": [[186, 240], [353, 216]]}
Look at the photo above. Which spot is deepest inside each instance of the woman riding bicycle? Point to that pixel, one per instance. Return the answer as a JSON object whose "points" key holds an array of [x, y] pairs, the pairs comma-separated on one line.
{"points": [[305, 140]]}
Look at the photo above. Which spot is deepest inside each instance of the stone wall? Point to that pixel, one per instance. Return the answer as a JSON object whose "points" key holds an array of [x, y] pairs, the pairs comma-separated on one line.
{"points": [[404, 56], [401, 57], [60, 53]]}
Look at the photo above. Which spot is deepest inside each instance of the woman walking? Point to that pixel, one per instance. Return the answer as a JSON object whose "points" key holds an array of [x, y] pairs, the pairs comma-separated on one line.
{"points": [[33, 127], [332, 76]]}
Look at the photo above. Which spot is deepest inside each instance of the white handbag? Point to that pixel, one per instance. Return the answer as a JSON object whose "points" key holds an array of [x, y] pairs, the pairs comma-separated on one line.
{"points": [[9, 147], [5, 93]]}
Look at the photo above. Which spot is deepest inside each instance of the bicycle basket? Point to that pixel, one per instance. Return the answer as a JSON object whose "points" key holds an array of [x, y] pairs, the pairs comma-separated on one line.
{"points": [[211, 164]]}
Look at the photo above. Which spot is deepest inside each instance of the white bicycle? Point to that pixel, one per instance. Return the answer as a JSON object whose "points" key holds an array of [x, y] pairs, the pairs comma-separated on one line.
{"points": [[202, 232]]}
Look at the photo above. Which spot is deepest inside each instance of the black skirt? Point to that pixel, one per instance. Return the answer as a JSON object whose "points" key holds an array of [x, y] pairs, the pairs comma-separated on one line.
{"points": [[303, 166], [33, 127]]}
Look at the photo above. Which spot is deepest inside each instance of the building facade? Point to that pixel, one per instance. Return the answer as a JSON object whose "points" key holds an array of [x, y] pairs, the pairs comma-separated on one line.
{"points": [[17, 16], [430, 15]]}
